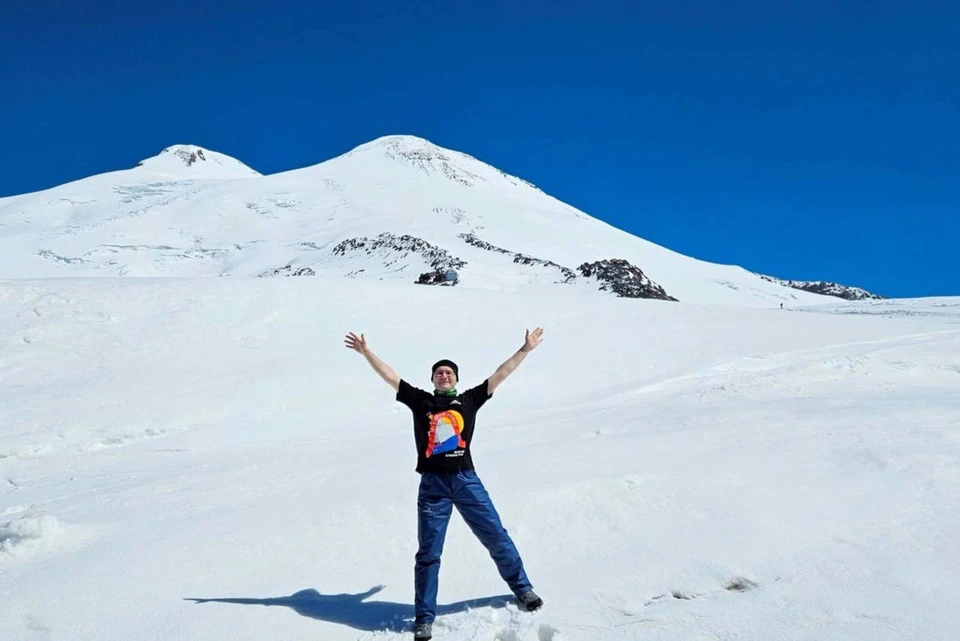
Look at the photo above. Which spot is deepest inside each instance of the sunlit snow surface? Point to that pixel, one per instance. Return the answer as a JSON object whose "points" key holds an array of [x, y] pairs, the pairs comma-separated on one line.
{"points": [[668, 471]]}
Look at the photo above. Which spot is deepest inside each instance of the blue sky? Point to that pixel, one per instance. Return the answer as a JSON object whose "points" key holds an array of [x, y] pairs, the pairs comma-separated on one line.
{"points": [[808, 140]]}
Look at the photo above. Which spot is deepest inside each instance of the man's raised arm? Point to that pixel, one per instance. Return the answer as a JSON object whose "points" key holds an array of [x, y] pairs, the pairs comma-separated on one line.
{"points": [[529, 344], [359, 345]]}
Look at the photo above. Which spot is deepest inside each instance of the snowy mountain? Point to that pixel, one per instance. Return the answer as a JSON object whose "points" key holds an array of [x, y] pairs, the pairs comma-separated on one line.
{"points": [[397, 208], [189, 162], [837, 290], [176, 450]]}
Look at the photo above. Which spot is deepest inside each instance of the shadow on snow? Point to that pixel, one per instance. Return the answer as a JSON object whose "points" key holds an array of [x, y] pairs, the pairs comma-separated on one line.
{"points": [[355, 611]]}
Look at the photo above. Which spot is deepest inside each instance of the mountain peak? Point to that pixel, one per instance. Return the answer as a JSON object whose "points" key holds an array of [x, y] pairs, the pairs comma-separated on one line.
{"points": [[421, 155], [189, 154], [400, 145], [403, 140], [192, 161]]}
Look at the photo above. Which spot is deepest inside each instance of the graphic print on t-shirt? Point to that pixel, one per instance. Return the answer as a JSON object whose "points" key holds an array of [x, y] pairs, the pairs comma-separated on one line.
{"points": [[445, 430]]}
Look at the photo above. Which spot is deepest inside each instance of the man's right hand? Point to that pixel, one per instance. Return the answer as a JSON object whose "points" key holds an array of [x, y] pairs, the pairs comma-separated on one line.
{"points": [[356, 343], [359, 345]]}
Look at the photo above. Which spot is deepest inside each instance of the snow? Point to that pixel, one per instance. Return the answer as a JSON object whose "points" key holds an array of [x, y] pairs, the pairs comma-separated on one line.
{"points": [[218, 217], [175, 448], [174, 451], [193, 162]]}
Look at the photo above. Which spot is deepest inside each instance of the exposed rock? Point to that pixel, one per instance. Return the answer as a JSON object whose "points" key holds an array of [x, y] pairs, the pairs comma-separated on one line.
{"points": [[568, 274], [50, 255], [623, 279], [458, 215], [616, 275], [190, 157], [288, 270], [521, 259], [470, 239], [825, 288], [440, 260]]}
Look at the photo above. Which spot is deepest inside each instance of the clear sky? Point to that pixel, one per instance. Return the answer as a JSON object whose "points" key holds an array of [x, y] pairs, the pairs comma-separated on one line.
{"points": [[808, 139]]}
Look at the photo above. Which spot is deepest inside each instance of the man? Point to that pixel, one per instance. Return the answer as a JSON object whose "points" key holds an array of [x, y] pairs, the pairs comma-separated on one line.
{"points": [[443, 429]]}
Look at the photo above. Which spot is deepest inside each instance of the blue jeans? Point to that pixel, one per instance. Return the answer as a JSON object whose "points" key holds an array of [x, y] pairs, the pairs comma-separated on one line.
{"points": [[438, 494]]}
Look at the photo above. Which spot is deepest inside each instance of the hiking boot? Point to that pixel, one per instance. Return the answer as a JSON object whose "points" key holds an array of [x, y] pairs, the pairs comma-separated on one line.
{"points": [[423, 632], [529, 601]]}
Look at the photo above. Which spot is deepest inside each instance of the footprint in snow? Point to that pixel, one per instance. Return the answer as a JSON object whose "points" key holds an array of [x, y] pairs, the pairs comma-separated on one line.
{"points": [[739, 584], [736, 584], [544, 633]]}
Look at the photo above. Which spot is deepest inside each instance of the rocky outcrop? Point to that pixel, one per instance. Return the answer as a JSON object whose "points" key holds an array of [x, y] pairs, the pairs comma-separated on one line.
{"points": [[190, 157], [287, 270], [440, 260], [616, 275], [825, 288], [623, 279], [437, 257], [567, 274]]}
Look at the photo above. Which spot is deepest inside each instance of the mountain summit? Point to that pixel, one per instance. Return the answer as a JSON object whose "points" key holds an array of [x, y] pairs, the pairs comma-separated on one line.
{"points": [[191, 162]]}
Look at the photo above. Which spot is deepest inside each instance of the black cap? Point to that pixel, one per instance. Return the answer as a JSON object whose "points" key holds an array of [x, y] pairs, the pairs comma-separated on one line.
{"points": [[448, 363]]}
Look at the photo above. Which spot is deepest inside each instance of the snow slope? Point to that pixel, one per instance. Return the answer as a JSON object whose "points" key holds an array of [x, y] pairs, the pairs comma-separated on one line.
{"points": [[175, 451], [391, 209]]}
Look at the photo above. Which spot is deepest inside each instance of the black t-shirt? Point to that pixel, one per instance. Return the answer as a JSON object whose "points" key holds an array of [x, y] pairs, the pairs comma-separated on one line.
{"points": [[443, 426]]}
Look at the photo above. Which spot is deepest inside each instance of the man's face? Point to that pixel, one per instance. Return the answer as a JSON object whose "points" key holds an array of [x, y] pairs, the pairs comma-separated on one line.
{"points": [[444, 379]]}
